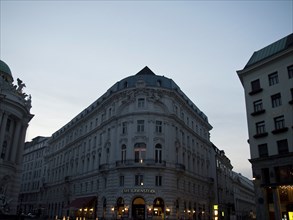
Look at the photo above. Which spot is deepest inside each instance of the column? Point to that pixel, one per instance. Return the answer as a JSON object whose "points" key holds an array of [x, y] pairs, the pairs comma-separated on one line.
{"points": [[277, 207], [16, 138], [2, 130], [1, 116], [18, 157]]}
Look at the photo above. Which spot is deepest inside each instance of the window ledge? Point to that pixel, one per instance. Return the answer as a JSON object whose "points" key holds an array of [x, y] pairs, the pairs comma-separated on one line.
{"points": [[255, 91], [258, 112], [281, 130], [261, 135]]}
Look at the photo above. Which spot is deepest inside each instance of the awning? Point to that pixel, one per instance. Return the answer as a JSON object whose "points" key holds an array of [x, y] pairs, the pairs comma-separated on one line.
{"points": [[81, 202]]}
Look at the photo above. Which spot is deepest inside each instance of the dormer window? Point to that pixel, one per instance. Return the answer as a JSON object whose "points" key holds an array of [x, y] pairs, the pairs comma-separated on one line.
{"points": [[159, 83], [125, 85]]}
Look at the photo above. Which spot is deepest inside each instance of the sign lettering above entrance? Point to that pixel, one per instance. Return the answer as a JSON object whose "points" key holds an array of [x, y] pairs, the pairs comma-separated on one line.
{"points": [[131, 190]]}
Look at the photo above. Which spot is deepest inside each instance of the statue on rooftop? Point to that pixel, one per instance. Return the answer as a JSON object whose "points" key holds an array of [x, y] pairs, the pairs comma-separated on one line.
{"points": [[20, 85]]}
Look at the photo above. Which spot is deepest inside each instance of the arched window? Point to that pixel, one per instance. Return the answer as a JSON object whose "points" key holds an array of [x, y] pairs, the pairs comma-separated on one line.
{"points": [[123, 153], [139, 152], [158, 153]]}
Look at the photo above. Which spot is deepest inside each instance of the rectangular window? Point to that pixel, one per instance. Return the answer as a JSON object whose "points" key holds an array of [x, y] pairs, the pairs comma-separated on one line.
{"points": [[103, 117], [105, 182], [141, 103], [282, 146], [109, 133], [121, 181], [284, 174], [140, 125], [159, 126], [158, 180], [260, 127], [279, 122], [263, 150], [276, 100], [123, 153], [101, 138], [290, 71], [139, 152], [273, 78], [257, 106], [265, 175], [158, 153], [124, 128], [139, 180], [255, 86]]}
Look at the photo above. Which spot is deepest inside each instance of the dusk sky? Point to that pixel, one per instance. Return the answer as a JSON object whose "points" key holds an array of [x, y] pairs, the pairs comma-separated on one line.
{"points": [[68, 53]]}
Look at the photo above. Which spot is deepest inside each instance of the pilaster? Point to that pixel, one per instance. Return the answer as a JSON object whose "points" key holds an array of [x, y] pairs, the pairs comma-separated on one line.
{"points": [[18, 157], [15, 143], [2, 130]]}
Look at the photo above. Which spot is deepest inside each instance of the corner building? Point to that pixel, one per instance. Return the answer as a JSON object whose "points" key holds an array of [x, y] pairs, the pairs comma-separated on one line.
{"points": [[141, 151], [15, 115], [267, 80]]}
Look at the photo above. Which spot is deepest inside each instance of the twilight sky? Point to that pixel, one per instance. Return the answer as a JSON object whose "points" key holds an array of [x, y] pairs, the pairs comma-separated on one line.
{"points": [[68, 53]]}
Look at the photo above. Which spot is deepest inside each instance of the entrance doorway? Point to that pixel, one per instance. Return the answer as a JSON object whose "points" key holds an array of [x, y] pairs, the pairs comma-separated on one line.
{"points": [[138, 209], [158, 206]]}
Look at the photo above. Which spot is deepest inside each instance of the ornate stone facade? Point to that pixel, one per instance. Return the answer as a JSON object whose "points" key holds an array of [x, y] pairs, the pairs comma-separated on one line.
{"points": [[142, 150], [15, 115]]}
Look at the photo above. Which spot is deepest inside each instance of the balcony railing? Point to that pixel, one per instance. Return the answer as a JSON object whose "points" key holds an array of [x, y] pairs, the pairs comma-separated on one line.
{"points": [[139, 163]]}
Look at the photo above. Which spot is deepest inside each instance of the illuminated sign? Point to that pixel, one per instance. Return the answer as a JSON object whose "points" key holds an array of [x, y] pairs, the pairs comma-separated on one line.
{"points": [[143, 190]]}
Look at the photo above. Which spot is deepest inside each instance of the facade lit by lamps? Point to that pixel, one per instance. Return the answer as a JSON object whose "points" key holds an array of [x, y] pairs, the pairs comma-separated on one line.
{"points": [[140, 146]]}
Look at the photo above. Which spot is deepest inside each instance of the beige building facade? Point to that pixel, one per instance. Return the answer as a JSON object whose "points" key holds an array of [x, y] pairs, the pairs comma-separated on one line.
{"points": [[141, 151]]}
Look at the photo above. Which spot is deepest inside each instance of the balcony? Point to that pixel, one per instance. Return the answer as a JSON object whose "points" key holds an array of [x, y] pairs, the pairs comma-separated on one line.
{"points": [[140, 163], [255, 91], [280, 130], [260, 135], [180, 167], [104, 167], [258, 112]]}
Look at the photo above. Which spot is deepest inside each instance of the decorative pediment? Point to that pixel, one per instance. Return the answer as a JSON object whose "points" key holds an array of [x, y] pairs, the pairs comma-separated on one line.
{"points": [[139, 139]]}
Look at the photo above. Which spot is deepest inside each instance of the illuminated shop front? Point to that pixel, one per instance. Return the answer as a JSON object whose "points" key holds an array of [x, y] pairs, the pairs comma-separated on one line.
{"points": [[82, 208], [284, 196]]}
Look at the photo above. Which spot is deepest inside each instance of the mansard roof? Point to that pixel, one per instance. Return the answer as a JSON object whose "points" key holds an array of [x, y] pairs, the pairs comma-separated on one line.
{"points": [[270, 50]]}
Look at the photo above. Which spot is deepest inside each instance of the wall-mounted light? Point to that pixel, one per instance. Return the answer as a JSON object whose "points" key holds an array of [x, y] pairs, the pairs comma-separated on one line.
{"points": [[168, 211]]}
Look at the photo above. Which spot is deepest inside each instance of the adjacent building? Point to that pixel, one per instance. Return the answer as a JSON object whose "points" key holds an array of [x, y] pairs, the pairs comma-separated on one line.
{"points": [[243, 197], [224, 184], [15, 115], [31, 197], [267, 80]]}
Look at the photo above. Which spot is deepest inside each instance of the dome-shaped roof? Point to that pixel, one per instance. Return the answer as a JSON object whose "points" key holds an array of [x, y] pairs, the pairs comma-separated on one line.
{"points": [[5, 71]]}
